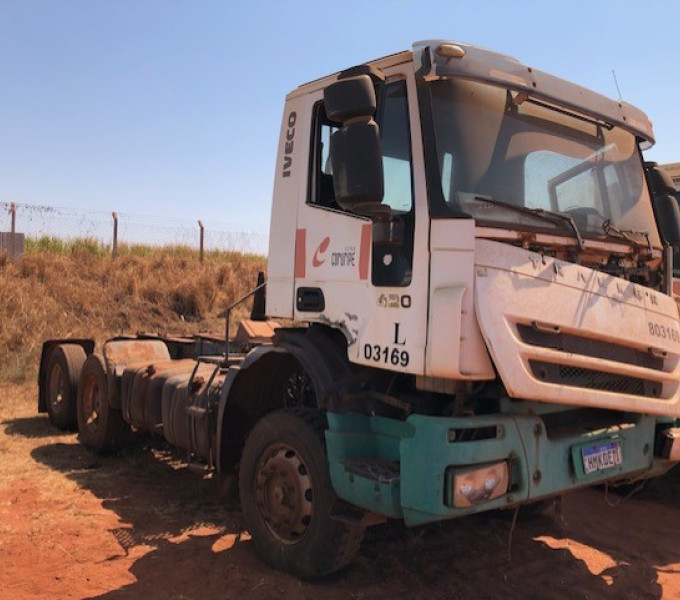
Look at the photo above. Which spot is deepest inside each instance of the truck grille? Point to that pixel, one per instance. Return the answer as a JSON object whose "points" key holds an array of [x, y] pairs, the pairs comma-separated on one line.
{"points": [[566, 342], [594, 380]]}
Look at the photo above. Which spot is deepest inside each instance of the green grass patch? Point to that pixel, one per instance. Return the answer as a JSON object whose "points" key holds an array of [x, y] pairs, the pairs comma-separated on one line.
{"points": [[92, 246], [65, 247], [18, 367]]}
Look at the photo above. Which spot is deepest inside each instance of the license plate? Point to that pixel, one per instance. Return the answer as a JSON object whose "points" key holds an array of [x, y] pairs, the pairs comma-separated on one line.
{"points": [[600, 457]]}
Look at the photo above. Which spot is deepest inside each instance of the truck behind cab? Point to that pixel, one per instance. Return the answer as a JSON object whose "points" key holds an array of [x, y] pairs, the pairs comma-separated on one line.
{"points": [[478, 267]]}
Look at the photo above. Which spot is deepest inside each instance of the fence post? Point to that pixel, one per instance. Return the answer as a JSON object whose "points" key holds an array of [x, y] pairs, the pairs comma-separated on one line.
{"points": [[114, 249], [13, 230], [200, 224]]}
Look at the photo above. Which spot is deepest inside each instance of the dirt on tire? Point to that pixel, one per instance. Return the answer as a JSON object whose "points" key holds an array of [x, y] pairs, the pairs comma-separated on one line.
{"points": [[140, 525]]}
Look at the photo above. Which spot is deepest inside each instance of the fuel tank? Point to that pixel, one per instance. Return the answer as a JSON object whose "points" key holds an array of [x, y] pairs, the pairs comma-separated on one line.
{"points": [[141, 386], [186, 410]]}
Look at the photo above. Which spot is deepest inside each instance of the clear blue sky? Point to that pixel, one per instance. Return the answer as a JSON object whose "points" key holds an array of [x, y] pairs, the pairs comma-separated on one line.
{"points": [[173, 106]]}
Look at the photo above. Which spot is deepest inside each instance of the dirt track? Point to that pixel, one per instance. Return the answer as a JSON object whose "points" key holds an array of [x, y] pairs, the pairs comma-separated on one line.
{"points": [[73, 525]]}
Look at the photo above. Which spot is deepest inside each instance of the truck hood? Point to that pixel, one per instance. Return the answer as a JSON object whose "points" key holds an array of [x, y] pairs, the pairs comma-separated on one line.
{"points": [[563, 333]]}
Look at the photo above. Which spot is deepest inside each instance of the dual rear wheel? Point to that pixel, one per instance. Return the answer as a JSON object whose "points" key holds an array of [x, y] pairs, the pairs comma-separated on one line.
{"points": [[77, 396], [101, 427]]}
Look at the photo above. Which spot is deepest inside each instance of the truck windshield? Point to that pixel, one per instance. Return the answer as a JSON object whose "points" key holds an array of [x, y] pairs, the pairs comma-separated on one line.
{"points": [[495, 147]]}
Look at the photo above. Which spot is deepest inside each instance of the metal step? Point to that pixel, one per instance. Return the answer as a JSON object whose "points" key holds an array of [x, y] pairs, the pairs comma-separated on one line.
{"points": [[377, 469]]}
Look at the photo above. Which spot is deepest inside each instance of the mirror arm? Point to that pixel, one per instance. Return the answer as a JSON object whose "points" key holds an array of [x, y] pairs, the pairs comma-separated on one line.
{"points": [[668, 270]]}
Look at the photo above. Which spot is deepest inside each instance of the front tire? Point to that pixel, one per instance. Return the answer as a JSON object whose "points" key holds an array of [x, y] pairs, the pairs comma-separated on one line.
{"points": [[287, 496], [101, 428], [63, 372]]}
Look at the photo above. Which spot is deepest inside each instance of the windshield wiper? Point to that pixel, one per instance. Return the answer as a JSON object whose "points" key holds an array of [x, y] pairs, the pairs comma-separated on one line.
{"points": [[557, 218], [627, 235]]}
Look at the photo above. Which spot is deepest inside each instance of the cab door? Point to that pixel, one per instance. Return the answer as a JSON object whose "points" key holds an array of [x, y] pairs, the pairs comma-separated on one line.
{"points": [[369, 278]]}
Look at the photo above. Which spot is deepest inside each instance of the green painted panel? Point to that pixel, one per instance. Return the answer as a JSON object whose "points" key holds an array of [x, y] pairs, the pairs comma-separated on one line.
{"points": [[425, 448]]}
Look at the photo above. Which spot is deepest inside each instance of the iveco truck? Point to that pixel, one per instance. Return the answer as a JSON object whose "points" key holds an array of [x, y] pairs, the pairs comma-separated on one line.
{"points": [[467, 307]]}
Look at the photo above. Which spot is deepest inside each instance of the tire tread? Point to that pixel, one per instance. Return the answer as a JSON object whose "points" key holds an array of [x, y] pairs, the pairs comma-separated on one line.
{"points": [[71, 358], [115, 429]]}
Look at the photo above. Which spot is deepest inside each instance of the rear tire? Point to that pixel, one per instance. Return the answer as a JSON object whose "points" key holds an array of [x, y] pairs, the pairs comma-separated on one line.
{"points": [[101, 428], [287, 496], [63, 372]]}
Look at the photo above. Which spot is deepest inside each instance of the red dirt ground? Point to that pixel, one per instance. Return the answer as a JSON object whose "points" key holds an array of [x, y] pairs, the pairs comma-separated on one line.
{"points": [[138, 525]]}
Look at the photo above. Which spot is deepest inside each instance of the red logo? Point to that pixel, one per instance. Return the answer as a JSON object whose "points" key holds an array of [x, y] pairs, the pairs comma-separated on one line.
{"points": [[318, 259]]}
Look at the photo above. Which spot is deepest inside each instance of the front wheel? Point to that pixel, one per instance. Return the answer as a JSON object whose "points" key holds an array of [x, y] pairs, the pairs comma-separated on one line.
{"points": [[287, 496], [101, 428]]}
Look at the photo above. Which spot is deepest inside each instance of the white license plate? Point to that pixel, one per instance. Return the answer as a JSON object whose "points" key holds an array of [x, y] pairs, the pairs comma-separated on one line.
{"points": [[601, 457]]}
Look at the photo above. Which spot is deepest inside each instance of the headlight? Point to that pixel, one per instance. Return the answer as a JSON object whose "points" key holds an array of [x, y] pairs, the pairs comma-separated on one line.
{"points": [[479, 483]]}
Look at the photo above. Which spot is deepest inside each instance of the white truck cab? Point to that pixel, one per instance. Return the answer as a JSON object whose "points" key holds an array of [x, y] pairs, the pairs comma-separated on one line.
{"points": [[516, 235]]}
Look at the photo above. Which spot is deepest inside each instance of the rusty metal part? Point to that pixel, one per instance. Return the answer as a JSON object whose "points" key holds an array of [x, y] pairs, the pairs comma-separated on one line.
{"points": [[56, 388], [121, 353], [284, 493], [175, 398], [175, 418], [141, 408], [252, 333], [201, 411], [154, 409], [175, 402], [128, 351], [93, 397]]}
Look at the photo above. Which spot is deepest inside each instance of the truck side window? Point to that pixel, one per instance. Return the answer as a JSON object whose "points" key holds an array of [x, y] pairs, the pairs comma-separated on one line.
{"points": [[393, 240], [447, 176], [396, 141], [321, 191], [393, 250]]}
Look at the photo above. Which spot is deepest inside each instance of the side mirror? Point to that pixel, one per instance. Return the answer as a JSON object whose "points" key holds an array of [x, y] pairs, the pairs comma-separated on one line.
{"points": [[668, 213], [350, 98], [665, 203], [356, 149], [659, 180]]}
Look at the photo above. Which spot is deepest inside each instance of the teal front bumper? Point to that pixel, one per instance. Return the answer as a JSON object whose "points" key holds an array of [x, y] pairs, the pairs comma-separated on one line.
{"points": [[402, 469]]}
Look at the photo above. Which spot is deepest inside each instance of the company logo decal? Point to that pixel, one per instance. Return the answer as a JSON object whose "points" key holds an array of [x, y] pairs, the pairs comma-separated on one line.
{"points": [[318, 259], [289, 145], [343, 258]]}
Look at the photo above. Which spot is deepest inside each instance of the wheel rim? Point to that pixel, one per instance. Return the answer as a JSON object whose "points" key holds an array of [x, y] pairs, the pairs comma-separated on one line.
{"points": [[284, 493], [57, 389], [92, 399]]}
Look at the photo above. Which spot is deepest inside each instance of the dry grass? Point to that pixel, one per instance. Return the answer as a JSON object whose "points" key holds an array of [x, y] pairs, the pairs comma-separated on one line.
{"points": [[77, 291]]}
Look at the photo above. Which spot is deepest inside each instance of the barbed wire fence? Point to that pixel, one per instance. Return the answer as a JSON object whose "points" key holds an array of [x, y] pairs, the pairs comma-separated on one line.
{"points": [[21, 224]]}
